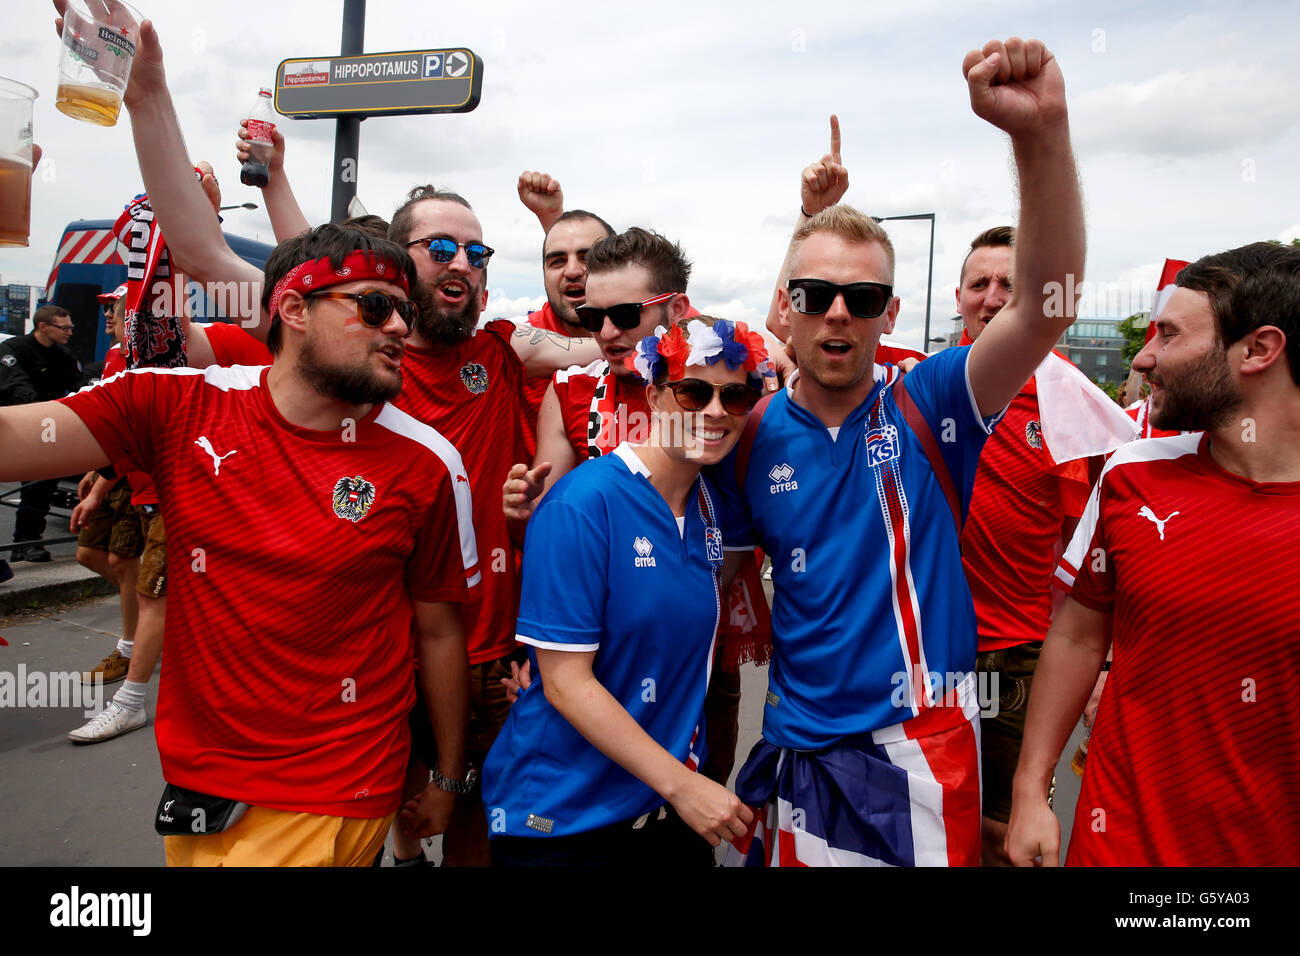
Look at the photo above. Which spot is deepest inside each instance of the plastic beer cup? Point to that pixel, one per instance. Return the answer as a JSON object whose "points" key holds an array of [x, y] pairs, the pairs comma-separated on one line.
{"points": [[95, 58], [15, 162]]}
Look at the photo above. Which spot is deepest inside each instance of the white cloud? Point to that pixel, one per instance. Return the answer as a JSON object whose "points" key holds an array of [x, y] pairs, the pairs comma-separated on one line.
{"points": [[1220, 106], [504, 306]]}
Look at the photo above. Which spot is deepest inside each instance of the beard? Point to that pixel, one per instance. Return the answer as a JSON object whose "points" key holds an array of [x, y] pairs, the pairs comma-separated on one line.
{"points": [[354, 385], [445, 326], [566, 312], [1201, 397]]}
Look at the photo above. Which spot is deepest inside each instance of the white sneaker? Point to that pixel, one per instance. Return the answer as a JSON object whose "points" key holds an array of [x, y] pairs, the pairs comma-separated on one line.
{"points": [[112, 722]]}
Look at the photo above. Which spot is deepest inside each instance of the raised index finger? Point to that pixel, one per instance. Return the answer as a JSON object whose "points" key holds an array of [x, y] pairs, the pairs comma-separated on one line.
{"points": [[835, 137]]}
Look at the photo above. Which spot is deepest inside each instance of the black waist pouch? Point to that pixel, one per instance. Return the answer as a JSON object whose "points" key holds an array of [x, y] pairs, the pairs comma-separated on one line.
{"points": [[184, 812]]}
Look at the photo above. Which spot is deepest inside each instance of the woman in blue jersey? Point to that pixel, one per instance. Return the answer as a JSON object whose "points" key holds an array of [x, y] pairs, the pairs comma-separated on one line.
{"points": [[621, 600]]}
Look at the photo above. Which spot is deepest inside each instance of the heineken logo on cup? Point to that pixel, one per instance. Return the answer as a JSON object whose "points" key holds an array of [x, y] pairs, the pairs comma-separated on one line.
{"points": [[118, 44]]}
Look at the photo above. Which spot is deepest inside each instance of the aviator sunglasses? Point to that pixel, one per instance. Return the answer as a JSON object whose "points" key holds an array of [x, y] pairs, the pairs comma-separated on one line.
{"points": [[442, 249], [694, 395], [864, 300], [374, 307], [626, 315]]}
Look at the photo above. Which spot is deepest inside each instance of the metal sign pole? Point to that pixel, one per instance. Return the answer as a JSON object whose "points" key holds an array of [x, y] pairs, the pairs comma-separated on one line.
{"points": [[347, 133]]}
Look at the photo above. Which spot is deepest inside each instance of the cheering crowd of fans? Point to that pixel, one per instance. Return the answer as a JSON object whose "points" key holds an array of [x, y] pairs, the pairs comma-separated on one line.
{"points": [[525, 554]]}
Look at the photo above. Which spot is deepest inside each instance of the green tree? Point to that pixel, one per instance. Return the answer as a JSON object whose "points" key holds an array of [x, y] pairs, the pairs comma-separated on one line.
{"points": [[1134, 331]]}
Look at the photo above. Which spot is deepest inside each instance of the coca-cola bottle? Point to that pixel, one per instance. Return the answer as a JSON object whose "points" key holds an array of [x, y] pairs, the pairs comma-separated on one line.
{"points": [[261, 121]]}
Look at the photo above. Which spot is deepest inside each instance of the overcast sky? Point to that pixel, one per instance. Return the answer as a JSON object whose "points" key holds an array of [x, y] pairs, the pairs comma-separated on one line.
{"points": [[696, 119]]}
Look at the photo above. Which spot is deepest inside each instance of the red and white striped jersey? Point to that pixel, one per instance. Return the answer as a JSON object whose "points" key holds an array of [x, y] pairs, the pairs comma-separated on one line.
{"points": [[1194, 751]]}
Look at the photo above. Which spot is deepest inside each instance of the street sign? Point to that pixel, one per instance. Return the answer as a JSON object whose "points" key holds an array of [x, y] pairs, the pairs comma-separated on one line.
{"points": [[379, 84]]}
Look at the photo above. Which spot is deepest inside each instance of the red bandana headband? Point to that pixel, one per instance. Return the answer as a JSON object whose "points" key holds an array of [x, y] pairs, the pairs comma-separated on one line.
{"points": [[320, 274]]}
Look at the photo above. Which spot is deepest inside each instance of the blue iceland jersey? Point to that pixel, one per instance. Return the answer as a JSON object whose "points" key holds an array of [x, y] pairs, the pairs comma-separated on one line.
{"points": [[606, 570], [872, 612]]}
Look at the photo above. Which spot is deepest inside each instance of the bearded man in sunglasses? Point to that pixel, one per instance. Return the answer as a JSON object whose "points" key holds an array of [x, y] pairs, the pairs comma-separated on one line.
{"points": [[857, 485], [327, 542]]}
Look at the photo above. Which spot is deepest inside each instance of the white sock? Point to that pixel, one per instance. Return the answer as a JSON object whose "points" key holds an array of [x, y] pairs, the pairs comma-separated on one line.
{"points": [[131, 695], [125, 647]]}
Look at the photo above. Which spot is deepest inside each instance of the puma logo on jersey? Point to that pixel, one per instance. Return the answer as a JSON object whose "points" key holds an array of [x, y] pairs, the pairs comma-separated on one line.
{"points": [[643, 547], [1150, 515], [206, 445], [782, 476]]}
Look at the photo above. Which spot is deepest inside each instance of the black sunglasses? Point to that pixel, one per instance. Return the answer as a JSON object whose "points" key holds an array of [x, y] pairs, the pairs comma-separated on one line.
{"points": [[694, 395], [626, 315], [442, 249], [374, 307], [864, 300]]}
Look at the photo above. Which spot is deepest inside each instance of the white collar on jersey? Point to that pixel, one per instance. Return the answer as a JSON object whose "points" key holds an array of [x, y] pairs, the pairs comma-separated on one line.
{"points": [[631, 459]]}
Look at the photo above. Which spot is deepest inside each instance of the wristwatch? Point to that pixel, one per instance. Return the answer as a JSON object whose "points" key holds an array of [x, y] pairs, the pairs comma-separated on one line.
{"points": [[456, 786]]}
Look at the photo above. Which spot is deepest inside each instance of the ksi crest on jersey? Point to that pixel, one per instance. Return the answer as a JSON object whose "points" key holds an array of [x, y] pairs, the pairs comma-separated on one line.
{"points": [[882, 445], [475, 377], [353, 498], [713, 545]]}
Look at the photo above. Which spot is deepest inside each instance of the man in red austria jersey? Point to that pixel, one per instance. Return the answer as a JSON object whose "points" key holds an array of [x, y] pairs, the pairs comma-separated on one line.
{"points": [[466, 382], [1023, 510], [318, 524], [1194, 748]]}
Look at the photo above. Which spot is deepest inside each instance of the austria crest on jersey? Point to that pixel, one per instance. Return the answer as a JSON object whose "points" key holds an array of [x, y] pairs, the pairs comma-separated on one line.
{"points": [[1034, 434], [353, 498], [475, 377]]}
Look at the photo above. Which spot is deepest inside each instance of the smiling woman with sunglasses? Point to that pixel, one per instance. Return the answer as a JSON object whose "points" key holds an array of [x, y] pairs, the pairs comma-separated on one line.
{"points": [[597, 762]]}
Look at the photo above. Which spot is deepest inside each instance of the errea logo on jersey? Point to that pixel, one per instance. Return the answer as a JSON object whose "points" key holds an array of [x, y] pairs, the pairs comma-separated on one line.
{"points": [[643, 547], [782, 476]]}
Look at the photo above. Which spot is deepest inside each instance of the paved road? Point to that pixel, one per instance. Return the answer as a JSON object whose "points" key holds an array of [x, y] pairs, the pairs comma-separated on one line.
{"points": [[75, 805]]}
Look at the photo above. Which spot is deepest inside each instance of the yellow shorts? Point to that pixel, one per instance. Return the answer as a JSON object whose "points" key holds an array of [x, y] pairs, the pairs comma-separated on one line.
{"points": [[263, 837]]}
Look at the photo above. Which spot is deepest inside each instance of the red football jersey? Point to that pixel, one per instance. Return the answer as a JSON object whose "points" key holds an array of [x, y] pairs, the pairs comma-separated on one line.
{"points": [[141, 485], [294, 557], [575, 387], [234, 346], [1012, 537], [1194, 751], [114, 362], [471, 393]]}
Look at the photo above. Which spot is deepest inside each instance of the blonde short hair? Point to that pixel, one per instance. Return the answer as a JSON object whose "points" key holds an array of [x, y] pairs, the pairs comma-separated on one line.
{"points": [[849, 224]]}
